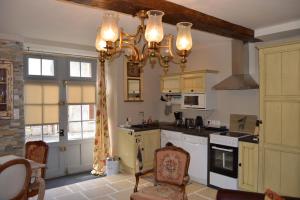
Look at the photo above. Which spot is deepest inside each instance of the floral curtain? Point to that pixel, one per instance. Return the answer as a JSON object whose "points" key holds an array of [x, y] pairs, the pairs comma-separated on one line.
{"points": [[101, 145]]}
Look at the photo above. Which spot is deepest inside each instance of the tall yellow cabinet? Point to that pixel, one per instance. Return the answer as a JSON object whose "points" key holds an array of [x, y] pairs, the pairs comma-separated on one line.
{"points": [[279, 157]]}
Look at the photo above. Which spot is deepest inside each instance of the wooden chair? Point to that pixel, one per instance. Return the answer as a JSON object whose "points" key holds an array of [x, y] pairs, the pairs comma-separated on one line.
{"points": [[38, 152], [15, 179], [170, 173]]}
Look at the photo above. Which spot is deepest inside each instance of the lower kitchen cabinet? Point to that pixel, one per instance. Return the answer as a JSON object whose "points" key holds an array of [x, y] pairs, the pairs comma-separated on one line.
{"points": [[128, 142], [248, 166]]}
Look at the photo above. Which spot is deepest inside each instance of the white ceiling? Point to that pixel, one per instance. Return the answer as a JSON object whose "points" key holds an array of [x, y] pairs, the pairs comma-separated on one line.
{"points": [[253, 14], [65, 22]]}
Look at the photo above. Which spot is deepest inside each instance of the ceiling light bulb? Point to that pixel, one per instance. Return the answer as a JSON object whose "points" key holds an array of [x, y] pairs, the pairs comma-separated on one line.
{"points": [[154, 29], [109, 29], [100, 44], [184, 37]]}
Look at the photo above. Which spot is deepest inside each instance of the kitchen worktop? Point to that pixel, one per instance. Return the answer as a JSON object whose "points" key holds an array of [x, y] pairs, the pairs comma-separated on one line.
{"points": [[250, 139], [203, 132]]}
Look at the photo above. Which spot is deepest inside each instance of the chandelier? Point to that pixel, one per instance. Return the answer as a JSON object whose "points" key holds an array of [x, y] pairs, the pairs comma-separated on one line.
{"points": [[148, 43]]}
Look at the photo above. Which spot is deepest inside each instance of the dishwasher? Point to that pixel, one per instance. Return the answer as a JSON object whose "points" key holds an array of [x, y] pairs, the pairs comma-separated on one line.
{"points": [[197, 147]]}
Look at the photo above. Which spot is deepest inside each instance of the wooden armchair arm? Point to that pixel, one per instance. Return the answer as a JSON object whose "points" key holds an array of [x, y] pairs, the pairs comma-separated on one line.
{"points": [[137, 178], [186, 180]]}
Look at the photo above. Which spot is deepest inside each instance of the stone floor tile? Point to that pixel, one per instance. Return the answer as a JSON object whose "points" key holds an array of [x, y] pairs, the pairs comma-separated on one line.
{"points": [[208, 192], [98, 192], [55, 192], [196, 197], [194, 187], [73, 196], [118, 177], [74, 187], [90, 184], [122, 195], [121, 185]]}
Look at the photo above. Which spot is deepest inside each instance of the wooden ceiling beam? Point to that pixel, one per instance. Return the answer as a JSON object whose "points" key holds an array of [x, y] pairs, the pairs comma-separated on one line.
{"points": [[175, 13]]}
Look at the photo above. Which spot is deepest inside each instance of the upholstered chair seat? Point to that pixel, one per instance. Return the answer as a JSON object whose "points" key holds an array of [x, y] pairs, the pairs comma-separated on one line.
{"points": [[170, 172]]}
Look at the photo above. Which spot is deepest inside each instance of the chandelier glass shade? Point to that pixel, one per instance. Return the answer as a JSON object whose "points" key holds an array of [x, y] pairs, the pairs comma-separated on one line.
{"points": [[148, 43]]}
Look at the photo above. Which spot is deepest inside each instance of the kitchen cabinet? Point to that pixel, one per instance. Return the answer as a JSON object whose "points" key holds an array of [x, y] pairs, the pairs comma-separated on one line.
{"points": [[193, 83], [128, 142], [170, 84], [279, 150], [6, 90], [248, 166]]}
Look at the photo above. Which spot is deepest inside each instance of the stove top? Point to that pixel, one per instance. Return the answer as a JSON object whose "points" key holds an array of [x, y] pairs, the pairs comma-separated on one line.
{"points": [[233, 134]]}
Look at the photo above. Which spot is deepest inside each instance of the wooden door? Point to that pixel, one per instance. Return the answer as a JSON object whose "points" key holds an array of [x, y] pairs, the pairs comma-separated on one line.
{"points": [[248, 166], [193, 83], [280, 112]]}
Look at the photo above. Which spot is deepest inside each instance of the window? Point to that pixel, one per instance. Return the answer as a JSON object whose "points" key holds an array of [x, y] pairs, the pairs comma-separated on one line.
{"points": [[80, 69], [40, 67], [81, 111], [41, 111]]}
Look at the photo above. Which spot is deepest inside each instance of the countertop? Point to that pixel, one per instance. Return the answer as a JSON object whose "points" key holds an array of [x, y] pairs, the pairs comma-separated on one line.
{"points": [[250, 139], [203, 132]]}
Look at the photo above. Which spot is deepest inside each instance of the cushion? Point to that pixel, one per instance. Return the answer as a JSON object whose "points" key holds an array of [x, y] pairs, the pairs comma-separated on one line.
{"points": [[171, 166], [271, 195], [160, 192]]}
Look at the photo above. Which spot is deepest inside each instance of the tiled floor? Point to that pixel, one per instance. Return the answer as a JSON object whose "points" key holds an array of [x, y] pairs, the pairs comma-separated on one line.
{"points": [[118, 187]]}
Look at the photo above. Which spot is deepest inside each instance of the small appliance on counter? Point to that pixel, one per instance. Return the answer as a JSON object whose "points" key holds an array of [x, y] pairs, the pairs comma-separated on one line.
{"points": [[189, 123], [199, 122], [178, 118]]}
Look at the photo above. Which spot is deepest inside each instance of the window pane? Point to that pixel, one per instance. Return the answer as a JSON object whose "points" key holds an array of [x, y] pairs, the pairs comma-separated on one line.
{"points": [[47, 67], [34, 66], [51, 133], [74, 69], [88, 129], [33, 114], [74, 112], [33, 133], [50, 114], [88, 112], [86, 69], [74, 131]]}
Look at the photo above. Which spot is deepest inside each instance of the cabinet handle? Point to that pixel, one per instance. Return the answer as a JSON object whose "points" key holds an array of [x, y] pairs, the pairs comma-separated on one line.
{"points": [[240, 164], [170, 90], [192, 90]]}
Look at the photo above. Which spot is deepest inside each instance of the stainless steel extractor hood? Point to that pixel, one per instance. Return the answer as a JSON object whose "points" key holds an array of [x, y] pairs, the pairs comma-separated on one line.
{"points": [[240, 78]]}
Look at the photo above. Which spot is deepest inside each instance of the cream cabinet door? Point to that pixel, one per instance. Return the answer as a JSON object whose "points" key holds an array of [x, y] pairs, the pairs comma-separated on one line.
{"points": [[150, 142], [170, 84], [248, 166], [193, 83], [279, 156], [127, 151]]}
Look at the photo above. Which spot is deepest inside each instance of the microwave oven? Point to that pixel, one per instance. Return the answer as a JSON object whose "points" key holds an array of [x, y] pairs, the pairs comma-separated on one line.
{"points": [[194, 100]]}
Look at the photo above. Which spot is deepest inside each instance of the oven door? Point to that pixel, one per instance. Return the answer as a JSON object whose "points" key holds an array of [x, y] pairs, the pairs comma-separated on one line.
{"points": [[224, 160]]}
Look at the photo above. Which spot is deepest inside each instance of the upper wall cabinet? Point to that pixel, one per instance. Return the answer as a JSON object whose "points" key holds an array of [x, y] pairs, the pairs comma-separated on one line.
{"points": [[189, 82], [170, 84], [6, 90], [193, 83]]}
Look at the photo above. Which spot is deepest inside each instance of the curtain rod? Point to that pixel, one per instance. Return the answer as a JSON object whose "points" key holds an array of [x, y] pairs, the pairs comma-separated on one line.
{"points": [[28, 51]]}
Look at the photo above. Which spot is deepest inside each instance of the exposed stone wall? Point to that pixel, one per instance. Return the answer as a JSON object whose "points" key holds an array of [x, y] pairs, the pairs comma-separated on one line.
{"points": [[12, 132]]}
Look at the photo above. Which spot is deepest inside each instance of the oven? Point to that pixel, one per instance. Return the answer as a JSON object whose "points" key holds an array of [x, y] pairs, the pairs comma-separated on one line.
{"points": [[224, 160]]}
